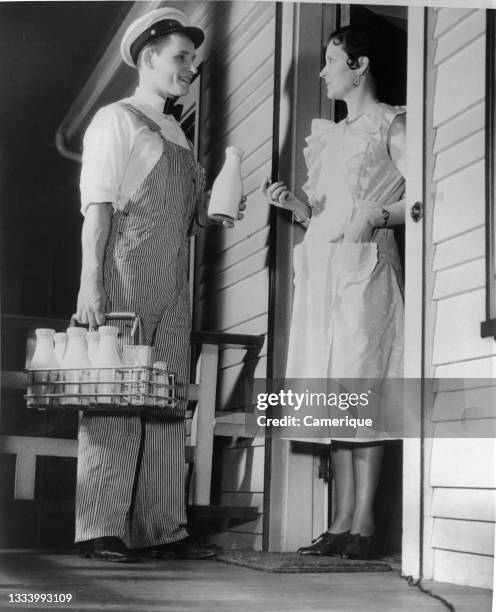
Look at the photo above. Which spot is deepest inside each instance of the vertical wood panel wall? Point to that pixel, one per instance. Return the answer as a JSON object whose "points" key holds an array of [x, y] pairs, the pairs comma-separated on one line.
{"points": [[231, 279], [460, 477]]}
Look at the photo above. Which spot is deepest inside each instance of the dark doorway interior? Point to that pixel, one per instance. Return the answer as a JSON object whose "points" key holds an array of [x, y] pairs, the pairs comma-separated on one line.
{"points": [[392, 24]]}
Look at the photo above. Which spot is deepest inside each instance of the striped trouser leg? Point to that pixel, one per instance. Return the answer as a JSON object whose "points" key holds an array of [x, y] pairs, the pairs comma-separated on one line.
{"points": [[107, 455], [159, 511]]}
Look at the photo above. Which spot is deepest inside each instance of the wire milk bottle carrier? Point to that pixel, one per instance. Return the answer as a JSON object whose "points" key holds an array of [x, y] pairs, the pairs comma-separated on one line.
{"points": [[103, 380]]}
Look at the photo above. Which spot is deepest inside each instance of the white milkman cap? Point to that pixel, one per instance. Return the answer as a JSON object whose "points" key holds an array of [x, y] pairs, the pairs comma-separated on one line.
{"points": [[153, 25]]}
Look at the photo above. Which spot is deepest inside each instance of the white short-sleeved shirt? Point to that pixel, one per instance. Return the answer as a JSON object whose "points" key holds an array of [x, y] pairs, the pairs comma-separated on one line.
{"points": [[119, 151]]}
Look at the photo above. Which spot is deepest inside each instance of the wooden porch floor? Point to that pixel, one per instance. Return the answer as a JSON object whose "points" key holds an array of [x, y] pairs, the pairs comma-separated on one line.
{"points": [[210, 586]]}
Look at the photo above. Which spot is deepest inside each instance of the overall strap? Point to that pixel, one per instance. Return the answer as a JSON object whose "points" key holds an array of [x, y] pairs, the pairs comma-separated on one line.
{"points": [[154, 127]]}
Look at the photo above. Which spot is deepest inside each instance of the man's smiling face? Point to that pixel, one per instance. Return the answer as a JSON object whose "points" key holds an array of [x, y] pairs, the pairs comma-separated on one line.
{"points": [[171, 67]]}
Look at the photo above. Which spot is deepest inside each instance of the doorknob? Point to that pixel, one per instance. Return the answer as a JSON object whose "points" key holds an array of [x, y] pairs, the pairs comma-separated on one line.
{"points": [[417, 211]]}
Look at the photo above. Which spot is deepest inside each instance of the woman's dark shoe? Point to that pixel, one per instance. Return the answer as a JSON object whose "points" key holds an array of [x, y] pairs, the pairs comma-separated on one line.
{"points": [[326, 545], [108, 548], [360, 547]]}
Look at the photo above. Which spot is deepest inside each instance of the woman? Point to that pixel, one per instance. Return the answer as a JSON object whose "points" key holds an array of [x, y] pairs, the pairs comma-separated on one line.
{"points": [[348, 304]]}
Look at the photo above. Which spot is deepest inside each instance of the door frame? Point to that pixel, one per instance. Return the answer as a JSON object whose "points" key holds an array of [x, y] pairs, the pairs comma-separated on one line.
{"points": [[413, 448], [290, 495]]}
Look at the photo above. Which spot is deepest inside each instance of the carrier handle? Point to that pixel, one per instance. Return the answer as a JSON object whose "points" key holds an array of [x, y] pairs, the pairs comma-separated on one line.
{"points": [[114, 316]]}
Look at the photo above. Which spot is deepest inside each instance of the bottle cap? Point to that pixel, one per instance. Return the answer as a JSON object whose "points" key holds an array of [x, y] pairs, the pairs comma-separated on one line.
{"points": [[60, 337], [76, 332], [42, 332], [108, 330], [235, 151], [92, 335]]}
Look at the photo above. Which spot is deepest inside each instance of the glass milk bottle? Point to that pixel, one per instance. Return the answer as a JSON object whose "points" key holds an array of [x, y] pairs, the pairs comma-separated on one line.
{"points": [[76, 363], [92, 339], [44, 358], [108, 357], [227, 189], [60, 340]]}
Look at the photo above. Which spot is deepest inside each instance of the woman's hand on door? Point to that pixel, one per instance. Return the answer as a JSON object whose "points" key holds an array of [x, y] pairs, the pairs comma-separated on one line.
{"points": [[279, 195]]}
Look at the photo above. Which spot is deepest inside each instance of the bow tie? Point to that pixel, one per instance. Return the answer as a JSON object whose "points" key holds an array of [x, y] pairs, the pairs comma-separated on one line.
{"points": [[170, 108]]}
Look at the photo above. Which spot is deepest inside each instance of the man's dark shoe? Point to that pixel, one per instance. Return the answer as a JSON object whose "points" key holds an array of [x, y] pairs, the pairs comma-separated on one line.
{"points": [[360, 547], [108, 548], [326, 545], [189, 548]]}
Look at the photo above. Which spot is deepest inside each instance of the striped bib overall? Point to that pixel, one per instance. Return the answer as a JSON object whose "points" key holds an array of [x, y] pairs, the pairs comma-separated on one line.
{"points": [[126, 461]]}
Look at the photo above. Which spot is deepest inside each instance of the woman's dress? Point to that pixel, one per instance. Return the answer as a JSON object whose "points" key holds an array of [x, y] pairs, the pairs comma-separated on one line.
{"points": [[348, 311]]}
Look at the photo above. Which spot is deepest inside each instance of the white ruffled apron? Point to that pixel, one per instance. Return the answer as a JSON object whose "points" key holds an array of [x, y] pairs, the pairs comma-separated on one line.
{"points": [[348, 314]]}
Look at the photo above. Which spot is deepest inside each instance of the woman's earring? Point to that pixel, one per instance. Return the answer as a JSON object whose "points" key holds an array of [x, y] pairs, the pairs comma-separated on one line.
{"points": [[356, 81]]}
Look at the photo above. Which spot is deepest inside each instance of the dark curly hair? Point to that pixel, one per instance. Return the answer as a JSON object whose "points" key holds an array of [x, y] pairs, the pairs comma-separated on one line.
{"points": [[371, 41], [360, 42]]}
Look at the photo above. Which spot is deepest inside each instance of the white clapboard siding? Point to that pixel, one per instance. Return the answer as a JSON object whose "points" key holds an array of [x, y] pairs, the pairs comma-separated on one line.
{"points": [[457, 328], [234, 357], [231, 271], [476, 403], [463, 462], [209, 14], [473, 368], [460, 35], [464, 504], [463, 568], [231, 305], [247, 133], [256, 218], [469, 428], [252, 85], [239, 246], [463, 536], [460, 279], [237, 272], [448, 18], [231, 357], [234, 255], [459, 203], [463, 248], [234, 393], [461, 466], [259, 159], [462, 154], [245, 473], [460, 81], [460, 127], [256, 325]]}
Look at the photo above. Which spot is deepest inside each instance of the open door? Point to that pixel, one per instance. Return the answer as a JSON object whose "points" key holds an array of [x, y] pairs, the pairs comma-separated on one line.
{"points": [[414, 292]]}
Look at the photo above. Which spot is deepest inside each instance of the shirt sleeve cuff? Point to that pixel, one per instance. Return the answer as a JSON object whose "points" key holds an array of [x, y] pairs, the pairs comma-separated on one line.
{"points": [[98, 196]]}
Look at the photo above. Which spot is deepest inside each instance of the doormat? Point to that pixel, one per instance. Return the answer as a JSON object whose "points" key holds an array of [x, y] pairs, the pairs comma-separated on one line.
{"points": [[292, 563]]}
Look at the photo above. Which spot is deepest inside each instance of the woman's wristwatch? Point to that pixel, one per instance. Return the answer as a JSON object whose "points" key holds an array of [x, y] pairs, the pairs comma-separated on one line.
{"points": [[385, 214]]}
